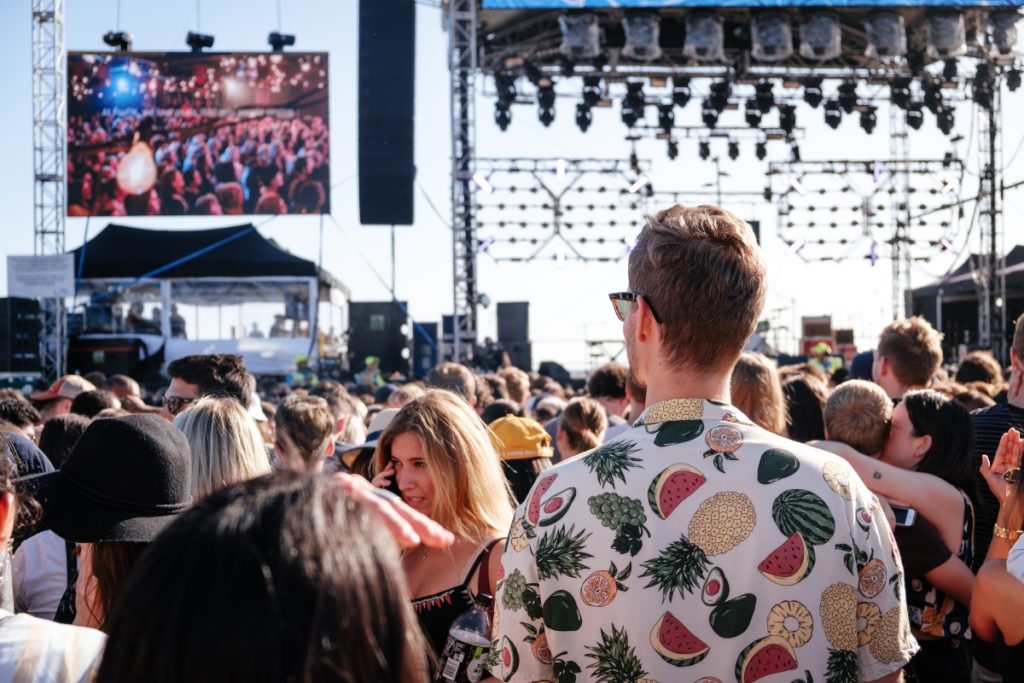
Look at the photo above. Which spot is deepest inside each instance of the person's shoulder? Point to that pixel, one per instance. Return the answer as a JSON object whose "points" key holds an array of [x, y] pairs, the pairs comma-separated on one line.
{"points": [[995, 412], [79, 638]]}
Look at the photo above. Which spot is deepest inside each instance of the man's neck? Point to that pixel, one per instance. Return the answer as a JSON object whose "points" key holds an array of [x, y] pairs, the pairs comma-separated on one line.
{"points": [[664, 384]]}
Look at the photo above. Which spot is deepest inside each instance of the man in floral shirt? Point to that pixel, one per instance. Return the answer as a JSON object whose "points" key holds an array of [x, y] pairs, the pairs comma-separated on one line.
{"points": [[696, 546]]}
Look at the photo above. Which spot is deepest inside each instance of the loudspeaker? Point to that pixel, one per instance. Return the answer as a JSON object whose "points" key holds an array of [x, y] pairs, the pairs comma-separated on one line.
{"points": [[113, 356], [19, 335], [520, 353], [513, 321], [424, 349], [387, 59], [379, 328]]}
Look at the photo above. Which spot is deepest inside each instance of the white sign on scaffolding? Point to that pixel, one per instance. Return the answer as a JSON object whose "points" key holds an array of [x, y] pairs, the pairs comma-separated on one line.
{"points": [[41, 277]]}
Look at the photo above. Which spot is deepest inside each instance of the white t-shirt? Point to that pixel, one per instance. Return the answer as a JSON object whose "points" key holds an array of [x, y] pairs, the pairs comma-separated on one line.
{"points": [[40, 574], [1015, 560], [34, 649]]}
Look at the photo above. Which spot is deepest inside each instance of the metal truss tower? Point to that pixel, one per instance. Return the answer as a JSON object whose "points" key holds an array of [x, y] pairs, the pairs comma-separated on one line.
{"points": [[989, 269], [462, 65], [899, 152], [49, 139]]}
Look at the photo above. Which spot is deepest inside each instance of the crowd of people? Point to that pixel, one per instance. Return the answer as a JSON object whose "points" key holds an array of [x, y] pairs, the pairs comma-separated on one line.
{"points": [[699, 512]]}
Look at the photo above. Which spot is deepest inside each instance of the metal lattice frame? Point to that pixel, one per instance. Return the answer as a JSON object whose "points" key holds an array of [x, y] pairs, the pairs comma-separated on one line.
{"points": [[49, 138], [989, 270], [899, 151], [462, 65]]}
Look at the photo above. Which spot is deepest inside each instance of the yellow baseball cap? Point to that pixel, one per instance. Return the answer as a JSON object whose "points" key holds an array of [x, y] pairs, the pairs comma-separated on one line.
{"points": [[520, 438]]}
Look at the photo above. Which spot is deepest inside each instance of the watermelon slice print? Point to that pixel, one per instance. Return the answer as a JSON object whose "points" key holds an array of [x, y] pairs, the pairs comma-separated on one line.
{"points": [[675, 643], [539, 489], [765, 657], [670, 488]]}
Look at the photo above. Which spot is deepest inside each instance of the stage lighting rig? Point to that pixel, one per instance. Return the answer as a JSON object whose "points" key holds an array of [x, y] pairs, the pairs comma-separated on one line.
{"points": [[764, 97], [581, 35], [534, 74], [1003, 25], [794, 153], [119, 39], [642, 37], [199, 41], [771, 37], [899, 92], [673, 150], [886, 33], [719, 99], [633, 103], [812, 91], [546, 103], [279, 41], [983, 86], [848, 96], [680, 90], [869, 119], [946, 34], [704, 150], [761, 150], [944, 120], [833, 114], [932, 96], [505, 85], [666, 117], [949, 70], [584, 117], [787, 118], [915, 117], [709, 114], [502, 117], [591, 90], [752, 113], [705, 37], [1012, 80], [734, 150]]}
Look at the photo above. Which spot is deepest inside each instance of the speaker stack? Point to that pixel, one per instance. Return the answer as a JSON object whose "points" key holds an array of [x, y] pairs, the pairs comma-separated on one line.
{"points": [[19, 335], [379, 328], [514, 332]]}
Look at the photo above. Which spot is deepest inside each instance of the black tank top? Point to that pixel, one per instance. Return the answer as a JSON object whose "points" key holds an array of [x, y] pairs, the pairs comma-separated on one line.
{"points": [[437, 612]]}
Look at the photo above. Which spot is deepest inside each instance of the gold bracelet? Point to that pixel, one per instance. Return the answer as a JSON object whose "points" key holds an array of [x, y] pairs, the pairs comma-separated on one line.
{"points": [[1008, 534]]}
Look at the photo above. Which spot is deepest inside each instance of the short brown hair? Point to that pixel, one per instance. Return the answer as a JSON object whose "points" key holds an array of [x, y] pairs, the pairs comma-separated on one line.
{"points": [[609, 381], [757, 391], [308, 422], [913, 348], [700, 269], [454, 378], [518, 384], [584, 423], [859, 414], [979, 366]]}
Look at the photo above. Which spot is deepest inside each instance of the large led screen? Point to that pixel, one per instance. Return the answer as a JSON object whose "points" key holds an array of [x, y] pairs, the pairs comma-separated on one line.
{"points": [[654, 4], [171, 134]]}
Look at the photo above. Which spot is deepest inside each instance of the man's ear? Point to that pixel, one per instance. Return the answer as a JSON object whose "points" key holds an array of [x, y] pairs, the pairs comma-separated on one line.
{"points": [[647, 328], [1014, 358]]}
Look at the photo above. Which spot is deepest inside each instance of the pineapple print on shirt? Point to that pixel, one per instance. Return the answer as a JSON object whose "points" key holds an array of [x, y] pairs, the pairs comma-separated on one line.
{"points": [[698, 547]]}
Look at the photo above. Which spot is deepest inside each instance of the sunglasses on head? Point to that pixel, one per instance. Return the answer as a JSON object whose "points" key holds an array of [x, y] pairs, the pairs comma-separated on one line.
{"points": [[176, 404], [622, 300], [1012, 475]]}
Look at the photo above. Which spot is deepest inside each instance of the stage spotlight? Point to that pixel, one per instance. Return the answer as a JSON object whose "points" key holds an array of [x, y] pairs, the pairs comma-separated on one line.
{"points": [[709, 114], [502, 117], [279, 41], [642, 34], [680, 90], [848, 96], [704, 150], [787, 118], [581, 35], [899, 92], [734, 150], [199, 41], [915, 117], [983, 86], [720, 92], [673, 149], [794, 153], [869, 119], [505, 85], [705, 37], [591, 90], [761, 150], [633, 103], [932, 96], [820, 36], [771, 37], [949, 70], [583, 117], [833, 114], [1003, 25], [1012, 80], [666, 117], [764, 96], [944, 120], [946, 34], [812, 91], [752, 113], [887, 35], [533, 73], [546, 116], [546, 103], [119, 39]]}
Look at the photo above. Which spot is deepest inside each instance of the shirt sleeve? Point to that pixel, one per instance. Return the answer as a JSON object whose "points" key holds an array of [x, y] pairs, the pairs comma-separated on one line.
{"points": [[518, 639]]}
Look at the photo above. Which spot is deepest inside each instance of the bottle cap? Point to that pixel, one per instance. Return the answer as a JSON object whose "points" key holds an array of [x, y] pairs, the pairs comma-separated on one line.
{"points": [[484, 600]]}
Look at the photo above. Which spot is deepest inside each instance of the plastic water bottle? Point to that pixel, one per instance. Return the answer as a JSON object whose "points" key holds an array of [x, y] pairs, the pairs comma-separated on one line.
{"points": [[464, 657]]}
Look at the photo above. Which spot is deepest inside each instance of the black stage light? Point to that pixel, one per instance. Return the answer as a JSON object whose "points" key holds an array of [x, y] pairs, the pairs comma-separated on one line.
{"points": [[761, 150], [568, 66], [868, 119], [833, 114], [666, 117], [734, 150], [583, 117], [119, 39], [899, 92], [764, 96], [199, 41], [533, 73], [546, 116], [279, 41], [915, 117], [673, 149], [633, 103], [546, 103], [794, 153], [812, 91], [720, 91], [945, 121], [932, 96], [752, 113], [680, 90], [983, 86], [709, 114], [502, 117], [591, 90], [949, 69], [787, 118], [1012, 80], [704, 149], [848, 96], [505, 84]]}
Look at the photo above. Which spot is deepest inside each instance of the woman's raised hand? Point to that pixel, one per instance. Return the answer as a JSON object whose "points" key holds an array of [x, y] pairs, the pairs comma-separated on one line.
{"points": [[409, 527], [1007, 458]]}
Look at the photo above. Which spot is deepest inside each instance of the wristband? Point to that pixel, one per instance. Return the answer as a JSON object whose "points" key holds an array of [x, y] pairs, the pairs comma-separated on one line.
{"points": [[1007, 534]]}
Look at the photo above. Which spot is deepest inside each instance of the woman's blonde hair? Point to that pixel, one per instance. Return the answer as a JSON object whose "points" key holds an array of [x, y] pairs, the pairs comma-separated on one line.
{"points": [[757, 391], [584, 422], [471, 497], [226, 444]]}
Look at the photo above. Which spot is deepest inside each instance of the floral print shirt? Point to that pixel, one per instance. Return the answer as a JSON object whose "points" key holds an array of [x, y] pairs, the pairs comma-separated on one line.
{"points": [[698, 547]]}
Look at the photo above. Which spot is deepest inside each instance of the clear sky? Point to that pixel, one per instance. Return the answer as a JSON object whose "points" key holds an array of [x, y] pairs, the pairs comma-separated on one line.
{"points": [[568, 301]]}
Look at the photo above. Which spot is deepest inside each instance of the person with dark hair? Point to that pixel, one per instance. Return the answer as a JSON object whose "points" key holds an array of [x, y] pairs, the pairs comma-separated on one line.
{"points": [[203, 375], [283, 578], [19, 414], [90, 403], [980, 366], [455, 378], [500, 408], [60, 434], [805, 403], [171, 188], [607, 386], [581, 426], [31, 649]]}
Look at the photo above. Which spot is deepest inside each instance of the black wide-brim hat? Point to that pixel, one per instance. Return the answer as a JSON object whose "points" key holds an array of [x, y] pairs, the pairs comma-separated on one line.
{"points": [[125, 480]]}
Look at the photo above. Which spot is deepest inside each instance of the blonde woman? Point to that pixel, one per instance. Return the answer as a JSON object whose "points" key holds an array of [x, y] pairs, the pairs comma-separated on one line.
{"points": [[757, 391], [439, 454], [226, 444], [581, 427]]}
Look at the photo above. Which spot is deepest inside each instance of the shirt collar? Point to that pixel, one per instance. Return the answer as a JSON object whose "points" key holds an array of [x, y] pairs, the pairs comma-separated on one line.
{"points": [[689, 409]]}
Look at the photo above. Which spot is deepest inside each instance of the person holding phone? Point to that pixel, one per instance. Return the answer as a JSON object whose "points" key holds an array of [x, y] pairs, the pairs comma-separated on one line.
{"points": [[440, 455]]}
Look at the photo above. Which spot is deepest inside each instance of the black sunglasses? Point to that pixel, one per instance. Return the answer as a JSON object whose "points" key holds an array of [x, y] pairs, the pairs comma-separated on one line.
{"points": [[176, 404], [622, 300]]}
